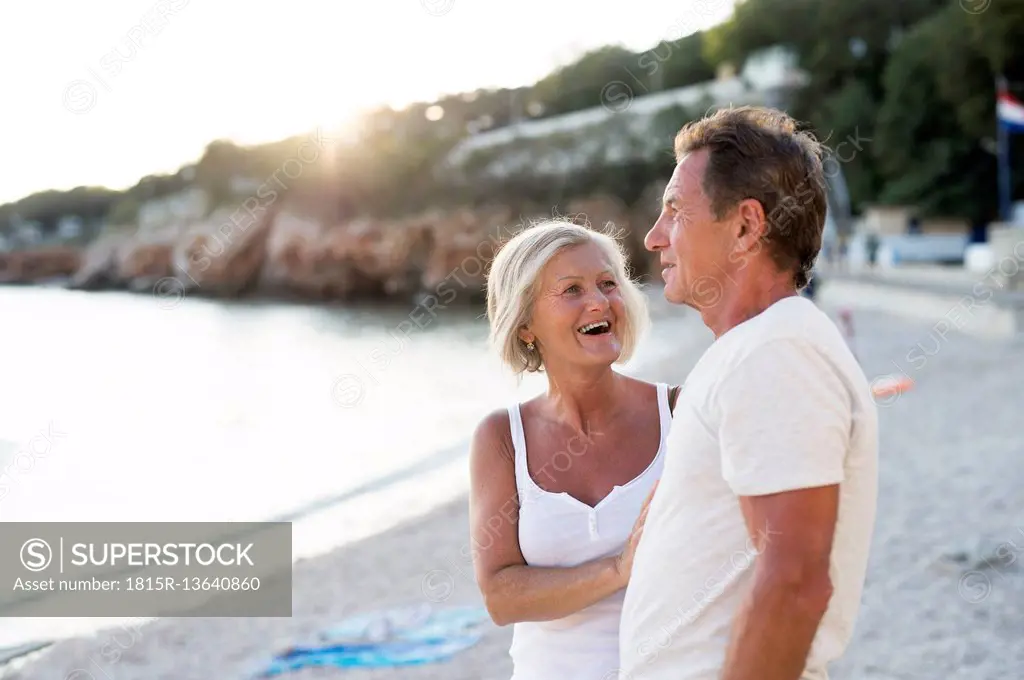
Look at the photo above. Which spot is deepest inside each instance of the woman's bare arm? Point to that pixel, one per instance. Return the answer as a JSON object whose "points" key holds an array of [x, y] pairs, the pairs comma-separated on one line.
{"points": [[512, 590]]}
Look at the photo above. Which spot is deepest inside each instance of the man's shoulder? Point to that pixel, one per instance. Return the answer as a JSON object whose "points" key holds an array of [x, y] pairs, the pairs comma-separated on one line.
{"points": [[757, 341], [792, 330], [793, 323]]}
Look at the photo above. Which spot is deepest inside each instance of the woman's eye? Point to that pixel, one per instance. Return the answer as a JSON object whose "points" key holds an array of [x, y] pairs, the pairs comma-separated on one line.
{"points": [[574, 288], [608, 284]]}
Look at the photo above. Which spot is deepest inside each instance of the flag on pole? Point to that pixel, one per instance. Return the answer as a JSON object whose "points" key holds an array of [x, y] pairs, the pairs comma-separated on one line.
{"points": [[1009, 109], [1009, 120]]}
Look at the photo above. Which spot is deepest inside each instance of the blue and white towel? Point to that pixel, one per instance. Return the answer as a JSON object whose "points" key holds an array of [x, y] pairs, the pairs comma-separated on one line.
{"points": [[404, 636]]}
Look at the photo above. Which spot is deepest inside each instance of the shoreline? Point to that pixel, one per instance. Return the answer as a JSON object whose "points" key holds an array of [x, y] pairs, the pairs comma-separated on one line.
{"points": [[467, 299]]}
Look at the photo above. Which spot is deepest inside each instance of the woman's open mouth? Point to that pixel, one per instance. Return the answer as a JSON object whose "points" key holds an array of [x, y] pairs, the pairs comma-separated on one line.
{"points": [[596, 328]]}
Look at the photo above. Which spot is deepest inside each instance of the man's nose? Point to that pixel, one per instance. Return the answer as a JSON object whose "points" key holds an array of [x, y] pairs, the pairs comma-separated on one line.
{"points": [[655, 238]]}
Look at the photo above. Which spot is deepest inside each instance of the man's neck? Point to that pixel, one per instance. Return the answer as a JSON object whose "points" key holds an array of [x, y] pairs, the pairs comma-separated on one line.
{"points": [[744, 297]]}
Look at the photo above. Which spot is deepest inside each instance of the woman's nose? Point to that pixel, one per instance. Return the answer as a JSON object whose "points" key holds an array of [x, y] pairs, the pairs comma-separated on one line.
{"points": [[597, 300]]}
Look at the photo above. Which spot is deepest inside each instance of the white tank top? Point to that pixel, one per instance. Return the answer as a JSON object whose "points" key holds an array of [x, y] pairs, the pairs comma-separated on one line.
{"points": [[558, 530]]}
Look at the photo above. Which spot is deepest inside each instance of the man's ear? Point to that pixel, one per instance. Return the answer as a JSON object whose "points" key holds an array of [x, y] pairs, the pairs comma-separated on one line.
{"points": [[752, 224]]}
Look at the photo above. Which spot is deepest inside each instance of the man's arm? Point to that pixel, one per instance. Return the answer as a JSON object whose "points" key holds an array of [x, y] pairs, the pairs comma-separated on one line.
{"points": [[775, 626], [785, 426]]}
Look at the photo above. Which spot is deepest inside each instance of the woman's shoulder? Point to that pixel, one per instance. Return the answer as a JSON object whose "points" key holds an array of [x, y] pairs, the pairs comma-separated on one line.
{"points": [[494, 423], [651, 387], [493, 435]]}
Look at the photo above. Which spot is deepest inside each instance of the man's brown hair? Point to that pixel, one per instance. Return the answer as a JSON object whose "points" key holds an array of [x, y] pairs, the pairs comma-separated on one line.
{"points": [[756, 152]]}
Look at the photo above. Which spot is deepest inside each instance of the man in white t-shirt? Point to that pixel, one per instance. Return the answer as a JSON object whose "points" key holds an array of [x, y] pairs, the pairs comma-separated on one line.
{"points": [[755, 547]]}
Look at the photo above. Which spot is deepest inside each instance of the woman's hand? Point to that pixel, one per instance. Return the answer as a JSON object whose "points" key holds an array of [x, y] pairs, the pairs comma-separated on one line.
{"points": [[624, 562]]}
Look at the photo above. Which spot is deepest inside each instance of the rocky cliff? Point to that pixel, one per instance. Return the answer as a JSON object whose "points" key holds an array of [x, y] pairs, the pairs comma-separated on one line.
{"points": [[36, 266], [278, 250]]}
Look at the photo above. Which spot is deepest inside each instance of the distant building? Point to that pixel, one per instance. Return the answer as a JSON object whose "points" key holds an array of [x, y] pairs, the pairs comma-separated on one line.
{"points": [[629, 127], [160, 213], [26, 233], [69, 227], [902, 237], [245, 186], [624, 126]]}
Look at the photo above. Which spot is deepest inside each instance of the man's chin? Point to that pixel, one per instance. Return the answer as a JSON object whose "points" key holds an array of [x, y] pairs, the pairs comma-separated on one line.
{"points": [[674, 296]]}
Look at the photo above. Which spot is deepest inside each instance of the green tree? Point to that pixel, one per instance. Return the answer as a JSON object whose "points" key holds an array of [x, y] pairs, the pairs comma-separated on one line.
{"points": [[676, 63], [925, 155], [581, 85]]}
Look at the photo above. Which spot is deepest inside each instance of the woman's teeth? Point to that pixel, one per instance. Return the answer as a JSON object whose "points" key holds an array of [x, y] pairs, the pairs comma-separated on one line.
{"points": [[593, 326]]}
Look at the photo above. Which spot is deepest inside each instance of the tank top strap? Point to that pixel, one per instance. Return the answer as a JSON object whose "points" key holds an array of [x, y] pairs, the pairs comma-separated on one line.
{"points": [[515, 421], [664, 410]]}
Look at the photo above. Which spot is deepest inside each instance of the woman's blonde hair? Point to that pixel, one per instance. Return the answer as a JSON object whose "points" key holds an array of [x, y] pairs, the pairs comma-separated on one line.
{"points": [[512, 288]]}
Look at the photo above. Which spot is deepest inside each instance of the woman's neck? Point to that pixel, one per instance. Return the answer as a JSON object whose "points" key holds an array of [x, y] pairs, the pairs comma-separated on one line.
{"points": [[584, 397]]}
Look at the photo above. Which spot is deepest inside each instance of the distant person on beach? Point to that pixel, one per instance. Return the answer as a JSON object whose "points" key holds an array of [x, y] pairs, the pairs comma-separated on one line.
{"points": [[554, 530], [756, 542], [810, 291], [872, 244]]}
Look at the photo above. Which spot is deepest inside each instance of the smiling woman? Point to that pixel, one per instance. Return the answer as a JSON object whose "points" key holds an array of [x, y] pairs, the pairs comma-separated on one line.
{"points": [[557, 265], [564, 299], [555, 564]]}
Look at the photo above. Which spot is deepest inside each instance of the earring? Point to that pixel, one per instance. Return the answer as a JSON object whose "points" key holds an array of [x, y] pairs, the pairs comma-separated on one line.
{"points": [[529, 346]]}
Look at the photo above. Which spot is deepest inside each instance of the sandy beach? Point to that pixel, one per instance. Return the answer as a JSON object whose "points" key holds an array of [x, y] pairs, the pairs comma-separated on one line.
{"points": [[945, 585]]}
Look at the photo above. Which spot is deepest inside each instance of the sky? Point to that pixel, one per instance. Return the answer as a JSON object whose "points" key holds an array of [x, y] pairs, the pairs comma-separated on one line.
{"points": [[105, 92]]}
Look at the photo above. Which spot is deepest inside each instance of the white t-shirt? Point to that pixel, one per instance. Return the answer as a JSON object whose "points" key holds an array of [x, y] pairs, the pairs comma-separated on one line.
{"points": [[777, 403]]}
